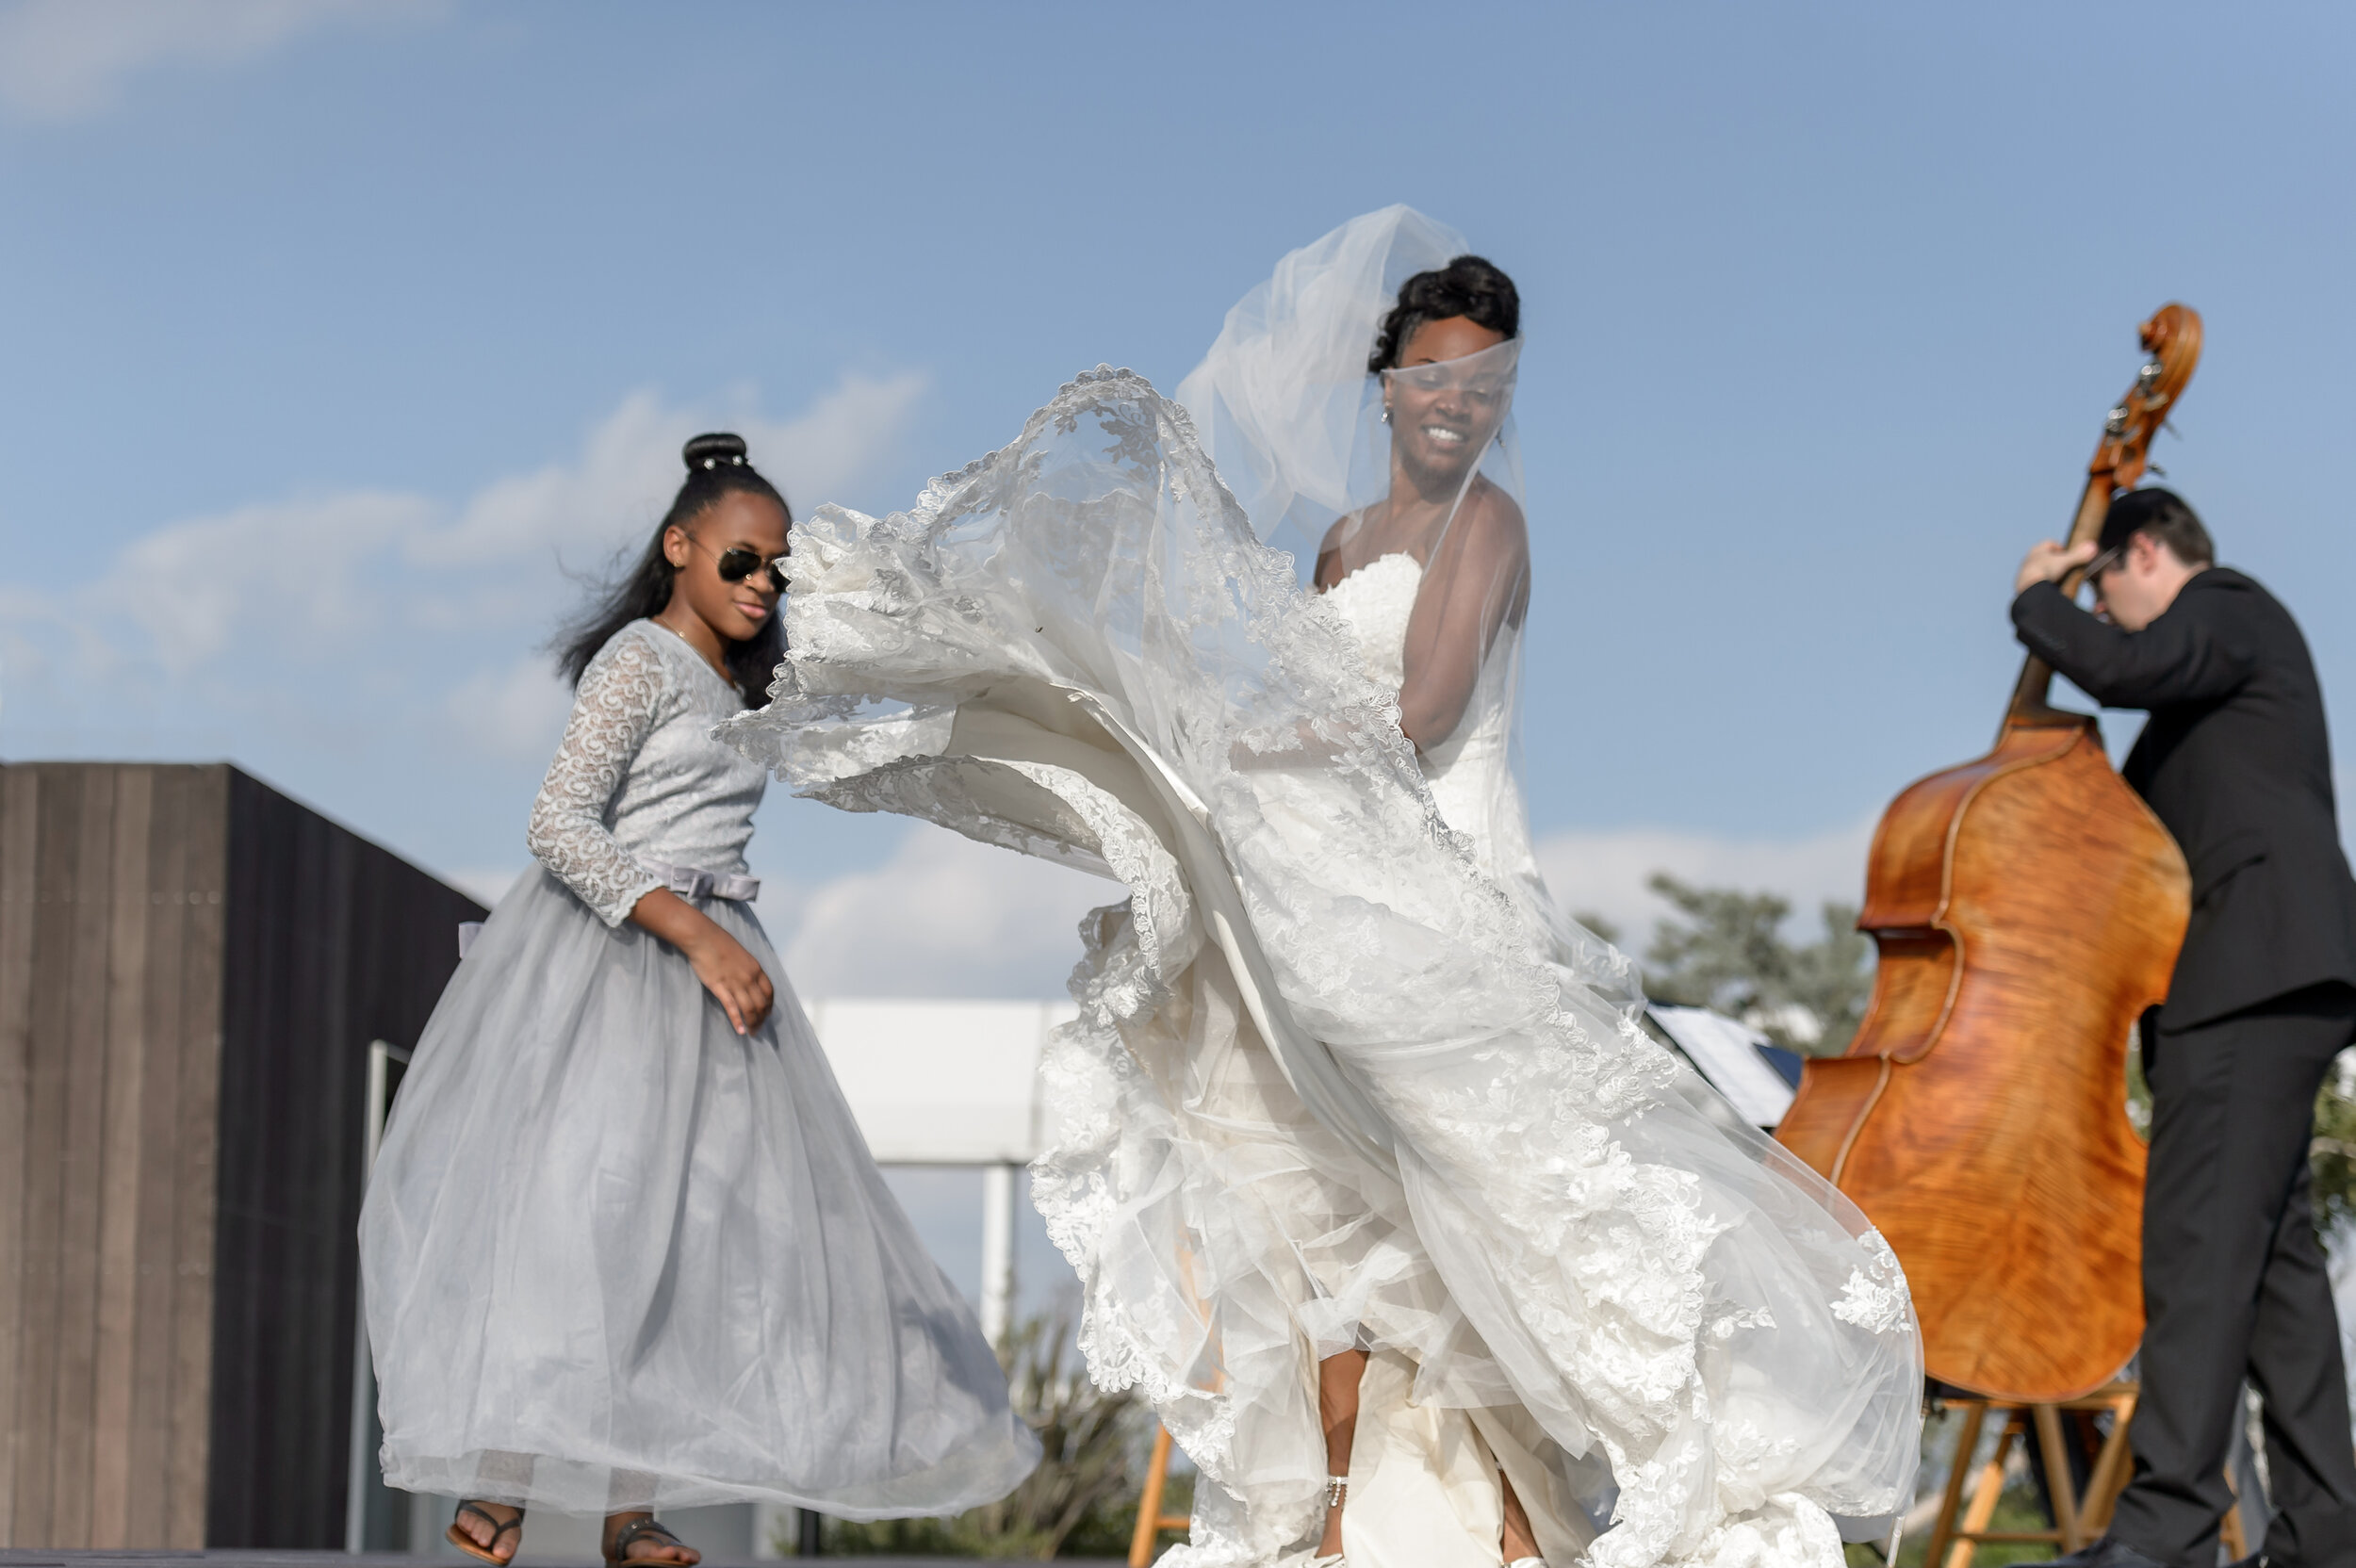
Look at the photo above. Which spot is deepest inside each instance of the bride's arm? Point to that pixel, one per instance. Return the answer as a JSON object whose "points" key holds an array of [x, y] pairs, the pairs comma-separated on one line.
{"points": [[1478, 582], [1329, 567]]}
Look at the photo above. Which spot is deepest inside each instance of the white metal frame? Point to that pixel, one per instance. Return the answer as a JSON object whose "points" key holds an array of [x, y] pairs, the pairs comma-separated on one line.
{"points": [[382, 1054], [951, 1083]]}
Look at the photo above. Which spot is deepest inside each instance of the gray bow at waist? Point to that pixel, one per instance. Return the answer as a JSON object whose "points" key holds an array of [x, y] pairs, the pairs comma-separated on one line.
{"points": [[689, 883]]}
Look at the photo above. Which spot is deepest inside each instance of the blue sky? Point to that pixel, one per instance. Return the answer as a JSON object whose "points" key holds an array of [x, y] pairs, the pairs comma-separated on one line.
{"points": [[337, 331], [340, 330]]}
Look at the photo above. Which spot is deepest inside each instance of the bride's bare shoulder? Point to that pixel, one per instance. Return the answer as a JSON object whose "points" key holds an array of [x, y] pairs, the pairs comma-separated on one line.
{"points": [[1328, 569], [1491, 516]]}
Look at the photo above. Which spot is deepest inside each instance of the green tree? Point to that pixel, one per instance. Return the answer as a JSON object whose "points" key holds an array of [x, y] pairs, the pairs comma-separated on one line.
{"points": [[1726, 948], [2333, 1154]]}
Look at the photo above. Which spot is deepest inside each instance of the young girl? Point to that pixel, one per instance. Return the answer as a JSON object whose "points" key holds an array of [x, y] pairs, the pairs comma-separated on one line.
{"points": [[624, 1249]]}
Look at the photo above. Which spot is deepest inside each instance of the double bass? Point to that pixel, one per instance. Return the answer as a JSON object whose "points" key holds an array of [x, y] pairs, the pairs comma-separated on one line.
{"points": [[2027, 907]]}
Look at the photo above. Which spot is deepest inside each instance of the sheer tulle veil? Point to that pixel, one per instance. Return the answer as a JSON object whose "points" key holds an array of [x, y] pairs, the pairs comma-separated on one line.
{"points": [[1284, 404]]}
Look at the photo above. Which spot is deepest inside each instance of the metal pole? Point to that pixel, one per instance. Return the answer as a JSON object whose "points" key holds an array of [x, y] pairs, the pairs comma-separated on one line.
{"points": [[359, 1463], [997, 1253]]}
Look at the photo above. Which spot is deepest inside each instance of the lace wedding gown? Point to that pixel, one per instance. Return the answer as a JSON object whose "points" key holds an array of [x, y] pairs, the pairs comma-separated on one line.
{"points": [[618, 1255], [1335, 1081]]}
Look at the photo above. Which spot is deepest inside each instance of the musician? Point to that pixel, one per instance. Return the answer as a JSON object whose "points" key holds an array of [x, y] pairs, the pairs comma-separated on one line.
{"points": [[2237, 762]]}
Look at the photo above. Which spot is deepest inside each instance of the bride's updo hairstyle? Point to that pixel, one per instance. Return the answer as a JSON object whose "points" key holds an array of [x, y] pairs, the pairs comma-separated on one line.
{"points": [[1471, 286], [716, 466]]}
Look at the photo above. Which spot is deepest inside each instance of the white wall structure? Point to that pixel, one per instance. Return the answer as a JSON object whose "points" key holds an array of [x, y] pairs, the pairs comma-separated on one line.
{"points": [[949, 1083]]}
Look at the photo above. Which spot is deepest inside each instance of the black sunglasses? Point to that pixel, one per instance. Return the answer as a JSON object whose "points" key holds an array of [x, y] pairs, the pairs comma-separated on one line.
{"points": [[736, 564]]}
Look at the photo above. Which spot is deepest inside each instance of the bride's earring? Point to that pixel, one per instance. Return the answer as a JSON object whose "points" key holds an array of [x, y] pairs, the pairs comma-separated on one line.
{"points": [[1386, 413]]}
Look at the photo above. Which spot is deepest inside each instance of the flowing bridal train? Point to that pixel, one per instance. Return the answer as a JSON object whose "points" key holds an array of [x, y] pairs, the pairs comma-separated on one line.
{"points": [[1342, 1079]]}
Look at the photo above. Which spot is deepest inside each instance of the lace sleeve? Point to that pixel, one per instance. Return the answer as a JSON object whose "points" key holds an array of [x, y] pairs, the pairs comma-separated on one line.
{"points": [[612, 714]]}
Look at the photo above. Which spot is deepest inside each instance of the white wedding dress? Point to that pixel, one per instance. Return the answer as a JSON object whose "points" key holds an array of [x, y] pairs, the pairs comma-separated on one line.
{"points": [[1338, 1076]]}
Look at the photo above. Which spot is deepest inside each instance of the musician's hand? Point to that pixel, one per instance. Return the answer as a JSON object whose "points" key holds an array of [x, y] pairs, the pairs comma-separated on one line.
{"points": [[2049, 561]]}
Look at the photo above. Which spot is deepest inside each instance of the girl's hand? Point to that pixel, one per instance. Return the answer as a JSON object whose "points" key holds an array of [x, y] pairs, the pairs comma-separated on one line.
{"points": [[733, 976]]}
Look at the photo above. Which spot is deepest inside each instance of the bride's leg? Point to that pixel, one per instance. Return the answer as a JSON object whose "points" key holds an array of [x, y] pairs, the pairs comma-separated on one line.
{"points": [[1338, 1409], [1519, 1542]]}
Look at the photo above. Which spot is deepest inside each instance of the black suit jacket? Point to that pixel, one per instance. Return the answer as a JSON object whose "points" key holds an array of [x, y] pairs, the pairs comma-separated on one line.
{"points": [[2237, 762]]}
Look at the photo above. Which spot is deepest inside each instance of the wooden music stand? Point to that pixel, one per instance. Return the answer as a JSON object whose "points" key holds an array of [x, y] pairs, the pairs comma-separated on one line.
{"points": [[1152, 1521], [2080, 1518]]}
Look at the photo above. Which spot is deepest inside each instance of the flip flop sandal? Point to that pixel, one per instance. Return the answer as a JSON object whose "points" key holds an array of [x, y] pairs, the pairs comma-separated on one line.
{"points": [[617, 1554], [474, 1548]]}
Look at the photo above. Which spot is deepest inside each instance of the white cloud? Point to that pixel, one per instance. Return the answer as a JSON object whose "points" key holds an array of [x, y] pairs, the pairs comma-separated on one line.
{"points": [[1607, 872], [623, 477], [69, 60], [945, 916], [450, 597], [516, 714], [629, 467], [336, 617], [819, 455], [192, 585]]}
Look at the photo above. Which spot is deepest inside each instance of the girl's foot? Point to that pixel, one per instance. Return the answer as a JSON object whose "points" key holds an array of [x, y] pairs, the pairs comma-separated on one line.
{"points": [[639, 1538], [481, 1531]]}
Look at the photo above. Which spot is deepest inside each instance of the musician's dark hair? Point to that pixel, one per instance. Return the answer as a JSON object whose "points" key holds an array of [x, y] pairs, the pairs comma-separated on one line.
{"points": [[1470, 286], [716, 466], [2162, 516]]}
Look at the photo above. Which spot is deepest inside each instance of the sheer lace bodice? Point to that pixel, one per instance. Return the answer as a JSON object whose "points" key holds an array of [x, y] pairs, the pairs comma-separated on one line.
{"points": [[638, 777]]}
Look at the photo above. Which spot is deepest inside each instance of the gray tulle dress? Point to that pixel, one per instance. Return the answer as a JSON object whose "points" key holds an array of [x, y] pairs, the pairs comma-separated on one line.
{"points": [[618, 1256]]}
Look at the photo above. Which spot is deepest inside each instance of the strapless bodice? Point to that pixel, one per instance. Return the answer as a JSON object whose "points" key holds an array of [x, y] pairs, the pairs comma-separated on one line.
{"points": [[1469, 773], [1375, 602]]}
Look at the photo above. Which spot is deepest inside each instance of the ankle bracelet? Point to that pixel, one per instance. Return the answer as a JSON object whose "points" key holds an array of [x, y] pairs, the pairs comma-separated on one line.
{"points": [[1334, 1487]]}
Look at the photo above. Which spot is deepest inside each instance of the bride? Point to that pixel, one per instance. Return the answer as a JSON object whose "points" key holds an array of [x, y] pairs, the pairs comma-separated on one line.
{"points": [[1424, 1254]]}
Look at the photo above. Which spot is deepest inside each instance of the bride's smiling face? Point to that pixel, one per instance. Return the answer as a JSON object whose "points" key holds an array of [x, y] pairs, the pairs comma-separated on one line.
{"points": [[1439, 432]]}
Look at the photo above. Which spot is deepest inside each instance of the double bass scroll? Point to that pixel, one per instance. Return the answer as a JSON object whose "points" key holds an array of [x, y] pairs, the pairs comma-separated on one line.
{"points": [[2171, 339]]}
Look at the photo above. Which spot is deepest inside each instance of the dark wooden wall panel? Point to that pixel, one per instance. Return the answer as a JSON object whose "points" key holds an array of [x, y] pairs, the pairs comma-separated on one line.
{"points": [[100, 868], [191, 970], [124, 1154], [201, 902], [333, 942], [20, 805]]}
